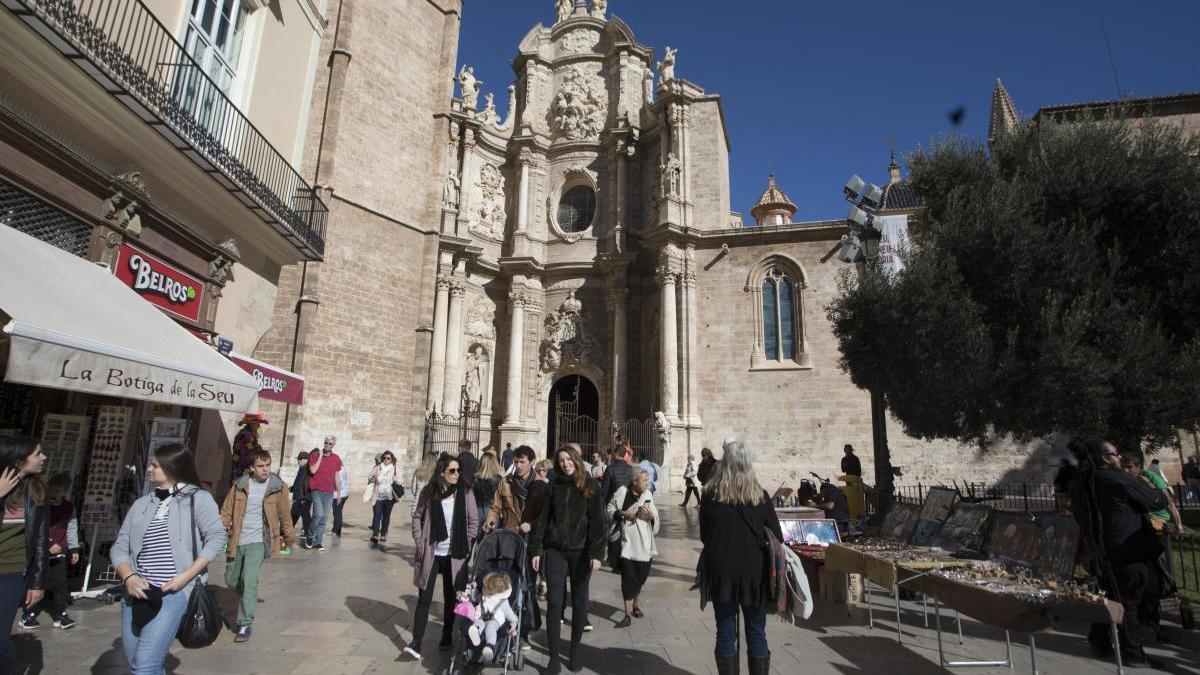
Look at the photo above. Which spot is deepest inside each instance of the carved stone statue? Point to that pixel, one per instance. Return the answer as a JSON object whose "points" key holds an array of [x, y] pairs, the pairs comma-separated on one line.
{"points": [[579, 109], [648, 86], [599, 7], [489, 114], [450, 190], [565, 8], [666, 67], [664, 430], [489, 218], [671, 176], [470, 88], [475, 377], [565, 342]]}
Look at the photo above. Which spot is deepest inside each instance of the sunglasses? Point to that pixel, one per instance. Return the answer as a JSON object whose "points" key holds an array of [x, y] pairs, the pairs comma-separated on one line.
{"points": [[452, 471], [1112, 454]]}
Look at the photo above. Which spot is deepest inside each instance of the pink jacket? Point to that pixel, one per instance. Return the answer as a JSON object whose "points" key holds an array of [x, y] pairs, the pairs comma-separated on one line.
{"points": [[423, 563]]}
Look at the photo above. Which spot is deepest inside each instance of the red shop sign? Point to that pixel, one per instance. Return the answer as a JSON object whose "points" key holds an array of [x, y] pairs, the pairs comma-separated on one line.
{"points": [[160, 283], [274, 383]]}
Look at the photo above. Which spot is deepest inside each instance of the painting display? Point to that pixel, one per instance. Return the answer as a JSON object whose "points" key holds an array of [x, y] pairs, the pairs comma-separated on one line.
{"points": [[1056, 554], [963, 530], [939, 502], [900, 521]]}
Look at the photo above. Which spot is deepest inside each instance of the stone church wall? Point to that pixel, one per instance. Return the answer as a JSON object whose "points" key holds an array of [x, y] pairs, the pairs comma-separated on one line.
{"points": [[364, 350]]}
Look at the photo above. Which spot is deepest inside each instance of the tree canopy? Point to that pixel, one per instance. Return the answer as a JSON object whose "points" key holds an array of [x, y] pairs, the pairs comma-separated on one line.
{"points": [[1052, 286]]}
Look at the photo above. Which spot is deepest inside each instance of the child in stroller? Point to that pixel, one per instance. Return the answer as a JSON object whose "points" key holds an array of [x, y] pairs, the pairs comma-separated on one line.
{"points": [[492, 613]]}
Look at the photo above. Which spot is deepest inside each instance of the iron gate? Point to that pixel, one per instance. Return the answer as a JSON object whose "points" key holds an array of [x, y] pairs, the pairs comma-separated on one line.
{"points": [[642, 436], [571, 426], [443, 432]]}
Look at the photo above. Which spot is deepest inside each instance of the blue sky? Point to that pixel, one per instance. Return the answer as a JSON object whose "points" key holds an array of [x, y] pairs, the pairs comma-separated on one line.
{"points": [[818, 90]]}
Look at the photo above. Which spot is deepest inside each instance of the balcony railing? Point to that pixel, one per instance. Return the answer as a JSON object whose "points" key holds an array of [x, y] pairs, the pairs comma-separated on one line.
{"points": [[129, 52]]}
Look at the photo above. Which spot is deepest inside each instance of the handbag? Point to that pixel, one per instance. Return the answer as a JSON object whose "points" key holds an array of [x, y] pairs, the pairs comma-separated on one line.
{"points": [[774, 566], [202, 623]]}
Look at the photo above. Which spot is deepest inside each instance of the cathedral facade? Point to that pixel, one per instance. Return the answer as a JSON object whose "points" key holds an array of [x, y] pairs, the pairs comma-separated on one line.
{"points": [[568, 271]]}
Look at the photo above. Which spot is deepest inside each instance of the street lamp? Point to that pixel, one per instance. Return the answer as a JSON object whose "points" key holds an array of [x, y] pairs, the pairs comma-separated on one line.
{"points": [[861, 243]]}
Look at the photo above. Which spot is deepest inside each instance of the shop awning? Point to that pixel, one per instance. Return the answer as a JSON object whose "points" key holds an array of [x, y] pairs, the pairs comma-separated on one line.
{"points": [[76, 326], [274, 383]]}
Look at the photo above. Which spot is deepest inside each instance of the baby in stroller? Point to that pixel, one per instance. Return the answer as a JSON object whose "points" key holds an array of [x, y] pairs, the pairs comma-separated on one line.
{"points": [[492, 612]]}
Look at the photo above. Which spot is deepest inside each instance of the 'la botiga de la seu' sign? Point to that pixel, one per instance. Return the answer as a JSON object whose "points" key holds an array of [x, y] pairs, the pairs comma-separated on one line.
{"points": [[160, 283]]}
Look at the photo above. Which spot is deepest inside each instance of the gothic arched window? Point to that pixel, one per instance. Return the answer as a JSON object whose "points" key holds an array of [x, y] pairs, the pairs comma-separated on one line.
{"points": [[779, 315]]}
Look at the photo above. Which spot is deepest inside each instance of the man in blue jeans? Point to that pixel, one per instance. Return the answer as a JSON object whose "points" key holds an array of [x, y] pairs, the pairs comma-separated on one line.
{"points": [[325, 483]]}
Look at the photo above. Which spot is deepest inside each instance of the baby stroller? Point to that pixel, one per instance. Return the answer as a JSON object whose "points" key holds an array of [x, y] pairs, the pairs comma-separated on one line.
{"points": [[499, 551]]}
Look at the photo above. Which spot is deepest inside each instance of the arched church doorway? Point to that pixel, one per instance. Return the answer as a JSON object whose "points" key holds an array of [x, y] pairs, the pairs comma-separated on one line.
{"points": [[573, 415]]}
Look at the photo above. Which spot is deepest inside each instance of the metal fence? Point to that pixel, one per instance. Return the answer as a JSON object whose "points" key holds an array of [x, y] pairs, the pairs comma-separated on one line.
{"points": [[130, 50], [444, 432], [643, 436]]}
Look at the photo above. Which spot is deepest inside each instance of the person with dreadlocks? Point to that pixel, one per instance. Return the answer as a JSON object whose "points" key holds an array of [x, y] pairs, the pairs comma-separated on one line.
{"points": [[1111, 507]]}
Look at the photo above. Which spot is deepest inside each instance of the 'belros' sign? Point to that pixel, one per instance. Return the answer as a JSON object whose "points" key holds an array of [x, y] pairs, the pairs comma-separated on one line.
{"points": [[273, 383], [160, 283]]}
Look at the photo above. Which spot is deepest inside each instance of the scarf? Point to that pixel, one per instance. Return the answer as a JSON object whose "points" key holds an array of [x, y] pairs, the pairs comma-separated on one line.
{"points": [[437, 531], [520, 487]]}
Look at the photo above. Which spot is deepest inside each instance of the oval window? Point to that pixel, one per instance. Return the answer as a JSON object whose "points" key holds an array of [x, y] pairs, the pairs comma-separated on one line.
{"points": [[576, 209]]}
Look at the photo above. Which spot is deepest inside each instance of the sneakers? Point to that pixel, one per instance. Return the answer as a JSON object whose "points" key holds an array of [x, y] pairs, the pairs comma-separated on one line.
{"points": [[306, 544], [243, 634], [319, 547], [473, 633], [587, 627], [414, 650], [525, 646], [29, 622], [286, 550], [64, 622]]}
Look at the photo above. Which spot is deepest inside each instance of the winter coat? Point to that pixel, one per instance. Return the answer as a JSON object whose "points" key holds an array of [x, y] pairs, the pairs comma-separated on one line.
{"points": [[505, 509], [277, 515], [616, 476], [637, 537], [571, 521], [731, 565], [705, 470], [423, 514]]}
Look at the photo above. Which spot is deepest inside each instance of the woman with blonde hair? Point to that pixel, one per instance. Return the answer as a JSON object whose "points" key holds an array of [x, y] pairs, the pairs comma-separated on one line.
{"points": [[423, 475], [488, 475], [734, 511]]}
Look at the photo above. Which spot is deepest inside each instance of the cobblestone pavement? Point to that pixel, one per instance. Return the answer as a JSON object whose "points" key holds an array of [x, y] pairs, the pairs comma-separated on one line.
{"points": [[347, 611]]}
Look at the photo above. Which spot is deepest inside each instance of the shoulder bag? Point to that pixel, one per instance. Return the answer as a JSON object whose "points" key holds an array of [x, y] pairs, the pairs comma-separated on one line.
{"points": [[202, 623], [774, 570]]}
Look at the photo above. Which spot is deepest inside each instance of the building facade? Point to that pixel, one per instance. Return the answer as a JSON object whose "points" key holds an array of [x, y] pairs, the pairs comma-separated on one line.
{"points": [[163, 138]]}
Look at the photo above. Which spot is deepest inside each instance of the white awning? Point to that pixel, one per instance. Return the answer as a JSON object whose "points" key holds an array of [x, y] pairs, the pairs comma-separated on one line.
{"points": [[76, 326]]}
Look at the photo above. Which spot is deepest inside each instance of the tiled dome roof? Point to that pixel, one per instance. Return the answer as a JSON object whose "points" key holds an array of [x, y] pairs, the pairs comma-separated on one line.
{"points": [[772, 199], [898, 193]]}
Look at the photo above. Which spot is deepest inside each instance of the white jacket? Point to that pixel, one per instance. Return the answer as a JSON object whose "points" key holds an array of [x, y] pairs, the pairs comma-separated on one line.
{"points": [[637, 537]]}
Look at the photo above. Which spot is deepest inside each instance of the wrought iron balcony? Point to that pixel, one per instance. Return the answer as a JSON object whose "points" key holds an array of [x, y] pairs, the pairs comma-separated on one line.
{"points": [[125, 48]]}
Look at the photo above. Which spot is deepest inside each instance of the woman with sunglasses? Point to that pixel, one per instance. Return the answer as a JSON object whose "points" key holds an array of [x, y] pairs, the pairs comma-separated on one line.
{"points": [[443, 529], [386, 488], [568, 540]]}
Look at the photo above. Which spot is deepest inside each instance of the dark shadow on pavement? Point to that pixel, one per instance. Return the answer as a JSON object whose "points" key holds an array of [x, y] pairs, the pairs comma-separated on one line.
{"points": [[28, 649], [113, 660], [383, 617], [878, 654], [624, 660]]}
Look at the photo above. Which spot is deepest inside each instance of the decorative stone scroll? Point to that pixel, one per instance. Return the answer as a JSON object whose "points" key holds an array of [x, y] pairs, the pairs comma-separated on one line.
{"points": [[580, 108], [580, 40], [490, 216]]}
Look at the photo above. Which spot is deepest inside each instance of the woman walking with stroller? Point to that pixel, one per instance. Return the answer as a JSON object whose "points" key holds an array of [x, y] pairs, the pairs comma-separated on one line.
{"points": [[734, 511], [568, 540], [444, 524], [633, 508]]}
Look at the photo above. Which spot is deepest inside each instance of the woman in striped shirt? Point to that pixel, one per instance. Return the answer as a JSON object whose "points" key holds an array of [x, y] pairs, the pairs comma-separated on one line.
{"points": [[155, 556]]}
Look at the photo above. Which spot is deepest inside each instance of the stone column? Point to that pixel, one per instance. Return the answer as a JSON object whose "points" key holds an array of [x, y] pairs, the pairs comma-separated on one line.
{"points": [[693, 332], [523, 195], [683, 351], [617, 299], [668, 354], [437, 357], [516, 358], [452, 387]]}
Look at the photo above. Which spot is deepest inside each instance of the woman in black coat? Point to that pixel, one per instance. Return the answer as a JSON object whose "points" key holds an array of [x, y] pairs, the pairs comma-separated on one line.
{"points": [[568, 540], [24, 535], [734, 511]]}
